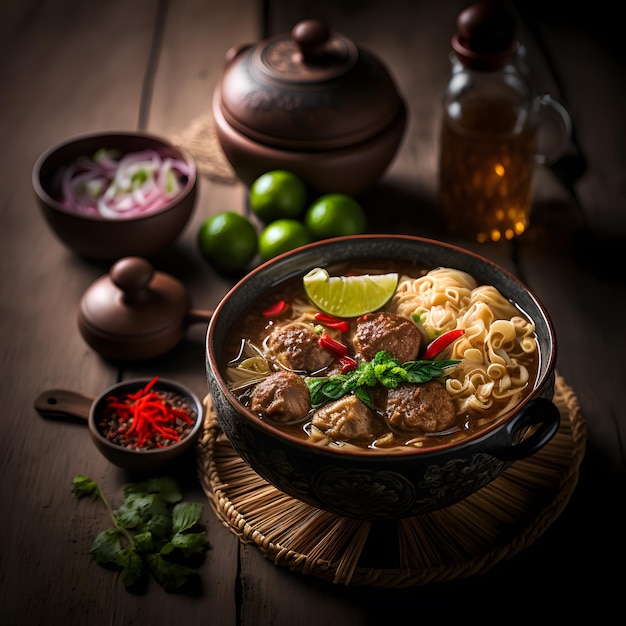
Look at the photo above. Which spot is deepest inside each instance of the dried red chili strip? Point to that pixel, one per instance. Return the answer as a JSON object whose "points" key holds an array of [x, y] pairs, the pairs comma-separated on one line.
{"points": [[326, 341], [169, 433], [183, 415], [142, 392], [150, 417], [332, 322], [443, 341]]}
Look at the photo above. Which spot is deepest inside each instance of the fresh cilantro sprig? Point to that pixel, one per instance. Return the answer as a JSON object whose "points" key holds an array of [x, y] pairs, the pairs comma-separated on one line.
{"points": [[151, 532], [383, 369]]}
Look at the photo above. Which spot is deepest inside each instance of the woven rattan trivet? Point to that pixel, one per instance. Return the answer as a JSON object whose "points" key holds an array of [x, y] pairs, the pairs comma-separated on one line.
{"points": [[459, 541]]}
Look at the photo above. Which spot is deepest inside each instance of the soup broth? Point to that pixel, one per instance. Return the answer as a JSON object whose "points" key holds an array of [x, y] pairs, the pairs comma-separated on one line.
{"points": [[495, 358]]}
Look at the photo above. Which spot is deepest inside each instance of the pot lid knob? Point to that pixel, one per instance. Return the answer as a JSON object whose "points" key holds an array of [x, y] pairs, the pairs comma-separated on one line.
{"points": [[485, 38], [133, 300], [132, 275], [311, 37]]}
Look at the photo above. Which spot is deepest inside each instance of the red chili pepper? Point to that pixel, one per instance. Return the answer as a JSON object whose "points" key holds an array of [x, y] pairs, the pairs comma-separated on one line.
{"points": [[332, 322], [347, 364], [443, 341], [333, 345], [276, 309]]}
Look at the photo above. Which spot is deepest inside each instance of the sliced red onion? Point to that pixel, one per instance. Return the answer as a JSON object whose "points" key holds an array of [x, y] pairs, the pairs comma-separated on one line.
{"points": [[137, 183]]}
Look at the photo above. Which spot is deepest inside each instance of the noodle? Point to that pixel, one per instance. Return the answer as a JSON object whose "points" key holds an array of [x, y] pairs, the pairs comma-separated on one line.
{"points": [[497, 352], [498, 344]]}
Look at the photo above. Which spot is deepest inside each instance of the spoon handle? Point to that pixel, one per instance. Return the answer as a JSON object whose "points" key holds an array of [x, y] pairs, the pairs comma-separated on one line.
{"points": [[63, 404]]}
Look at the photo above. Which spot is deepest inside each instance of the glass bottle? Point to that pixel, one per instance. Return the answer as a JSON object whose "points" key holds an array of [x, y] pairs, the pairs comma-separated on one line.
{"points": [[489, 129]]}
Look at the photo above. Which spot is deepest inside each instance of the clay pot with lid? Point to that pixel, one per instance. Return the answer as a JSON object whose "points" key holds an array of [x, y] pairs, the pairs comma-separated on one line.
{"points": [[312, 102], [135, 313]]}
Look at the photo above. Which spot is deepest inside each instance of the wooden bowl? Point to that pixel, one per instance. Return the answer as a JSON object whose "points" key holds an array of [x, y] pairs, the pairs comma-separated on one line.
{"points": [[103, 238], [66, 404]]}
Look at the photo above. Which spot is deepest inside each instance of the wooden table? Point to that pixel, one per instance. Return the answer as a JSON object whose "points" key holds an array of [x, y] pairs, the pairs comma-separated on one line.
{"points": [[74, 67]]}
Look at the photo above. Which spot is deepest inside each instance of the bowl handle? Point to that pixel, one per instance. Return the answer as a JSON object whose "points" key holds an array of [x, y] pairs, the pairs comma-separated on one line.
{"points": [[539, 411], [64, 404]]}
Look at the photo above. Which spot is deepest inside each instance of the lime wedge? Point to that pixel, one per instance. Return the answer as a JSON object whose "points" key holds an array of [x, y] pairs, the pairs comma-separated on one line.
{"points": [[349, 296]]}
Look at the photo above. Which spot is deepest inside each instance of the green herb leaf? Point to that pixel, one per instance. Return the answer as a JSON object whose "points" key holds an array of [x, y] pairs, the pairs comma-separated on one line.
{"points": [[84, 486], [144, 542], [169, 575], [363, 395], [130, 515], [150, 527], [190, 543], [106, 547], [165, 487], [383, 369], [185, 515], [132, 567], [160, 526]]}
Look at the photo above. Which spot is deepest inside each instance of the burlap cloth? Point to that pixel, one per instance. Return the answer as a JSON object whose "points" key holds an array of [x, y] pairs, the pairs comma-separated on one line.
{"points": [[200, 140]]}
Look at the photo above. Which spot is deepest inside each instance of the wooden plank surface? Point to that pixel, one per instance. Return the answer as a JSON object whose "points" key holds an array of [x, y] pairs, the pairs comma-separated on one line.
{"points": [[75, 68], [70, 67]]}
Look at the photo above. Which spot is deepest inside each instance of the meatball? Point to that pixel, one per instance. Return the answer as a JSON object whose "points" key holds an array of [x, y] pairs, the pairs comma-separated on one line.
{"points": [[283, 396], [418, 409], [297, 348], [387, 331], [347, 419]]}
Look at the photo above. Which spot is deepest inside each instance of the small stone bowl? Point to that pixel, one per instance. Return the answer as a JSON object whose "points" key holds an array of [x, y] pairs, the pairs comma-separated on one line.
{"points": [[102, 238], [68, 405]]}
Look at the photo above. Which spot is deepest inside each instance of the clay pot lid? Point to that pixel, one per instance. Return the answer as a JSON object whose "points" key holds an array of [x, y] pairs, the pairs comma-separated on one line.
{"points": [[485, 38], [309, 89], [134, 301]]}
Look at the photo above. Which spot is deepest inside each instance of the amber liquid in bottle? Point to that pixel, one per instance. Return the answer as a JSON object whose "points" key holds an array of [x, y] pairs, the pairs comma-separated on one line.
{"points": [[486, 168]]}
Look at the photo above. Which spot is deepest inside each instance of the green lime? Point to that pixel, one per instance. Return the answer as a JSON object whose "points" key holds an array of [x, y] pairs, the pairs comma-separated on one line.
{"points": [[228, 240], [349, 296], [280, 236], [335, 215], [276, 195]]}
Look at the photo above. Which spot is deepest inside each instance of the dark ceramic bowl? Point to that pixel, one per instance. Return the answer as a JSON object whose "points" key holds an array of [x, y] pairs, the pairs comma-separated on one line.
{"points": [[396, 484], [103, 238], [63, 404]]}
